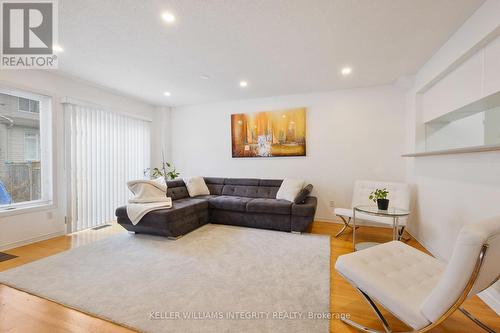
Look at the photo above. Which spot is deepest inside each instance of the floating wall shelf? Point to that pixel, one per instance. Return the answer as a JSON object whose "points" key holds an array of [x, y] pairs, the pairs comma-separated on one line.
{"points": [[466, 150]]}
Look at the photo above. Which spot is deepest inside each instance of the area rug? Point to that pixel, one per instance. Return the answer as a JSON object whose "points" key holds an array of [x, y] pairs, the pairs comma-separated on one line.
{"points": [[215, 279]]}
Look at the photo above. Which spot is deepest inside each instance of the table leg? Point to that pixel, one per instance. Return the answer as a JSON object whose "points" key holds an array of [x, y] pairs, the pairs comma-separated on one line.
{"points": [[396, 230], [354, 229]]}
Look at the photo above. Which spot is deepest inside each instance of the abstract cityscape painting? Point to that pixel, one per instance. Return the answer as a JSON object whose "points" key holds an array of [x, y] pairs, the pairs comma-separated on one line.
{"points": [[269, 133]]}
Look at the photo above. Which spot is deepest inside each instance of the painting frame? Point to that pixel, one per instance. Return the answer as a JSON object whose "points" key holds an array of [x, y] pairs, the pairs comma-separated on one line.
{"points": [[274, 133]]}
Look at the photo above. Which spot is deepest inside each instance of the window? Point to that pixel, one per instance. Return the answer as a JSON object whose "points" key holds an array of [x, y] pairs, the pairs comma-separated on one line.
{"points": [[25, 149], [31, 147], [29, 105]]}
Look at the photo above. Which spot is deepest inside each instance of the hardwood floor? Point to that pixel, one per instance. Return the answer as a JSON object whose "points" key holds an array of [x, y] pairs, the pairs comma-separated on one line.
{"points": [[22, 312]]}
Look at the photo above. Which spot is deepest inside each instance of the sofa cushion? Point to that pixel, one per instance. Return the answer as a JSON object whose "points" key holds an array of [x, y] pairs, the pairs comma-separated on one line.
{"points": [[214, 180], [225, 202], [215, 189], [205, 197], [250, 191], [180, 209], [240, 191], [176, 183], [271, 182], [177, 192], [215, 184], [242, 181], [269, 206], [197, 203], [267, 192]]}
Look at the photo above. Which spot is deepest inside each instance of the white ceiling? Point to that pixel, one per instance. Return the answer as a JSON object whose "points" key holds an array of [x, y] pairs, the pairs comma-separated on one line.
{"points": [[279, 46]]}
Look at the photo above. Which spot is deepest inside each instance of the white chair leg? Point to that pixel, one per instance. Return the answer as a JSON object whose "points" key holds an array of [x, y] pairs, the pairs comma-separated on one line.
{"points": [[346, 225]]}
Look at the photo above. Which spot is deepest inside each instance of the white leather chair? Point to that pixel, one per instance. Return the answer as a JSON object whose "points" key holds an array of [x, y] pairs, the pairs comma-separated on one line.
{"points": [[399, 196], [418, 289]]}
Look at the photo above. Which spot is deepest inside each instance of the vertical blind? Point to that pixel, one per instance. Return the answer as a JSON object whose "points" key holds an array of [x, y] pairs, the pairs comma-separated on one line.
{"points": [[105, 150]]}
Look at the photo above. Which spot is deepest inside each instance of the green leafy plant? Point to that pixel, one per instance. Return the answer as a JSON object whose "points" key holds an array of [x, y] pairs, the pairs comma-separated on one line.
{"points": [[378, 194], [167, 171]]}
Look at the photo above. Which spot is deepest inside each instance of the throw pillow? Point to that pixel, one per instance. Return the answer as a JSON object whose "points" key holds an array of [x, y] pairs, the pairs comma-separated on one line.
{"points": [[196, 186], [289, 189], [303, 194]]}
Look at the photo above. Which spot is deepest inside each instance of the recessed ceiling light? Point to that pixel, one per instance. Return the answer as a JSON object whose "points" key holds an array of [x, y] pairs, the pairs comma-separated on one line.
{"points": [[346, 70], [243, 84], [167, 93], [57, 48], [168, 17]]}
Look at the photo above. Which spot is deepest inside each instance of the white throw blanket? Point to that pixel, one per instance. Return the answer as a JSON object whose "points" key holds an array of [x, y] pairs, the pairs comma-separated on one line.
{"points": [[149, 195]]}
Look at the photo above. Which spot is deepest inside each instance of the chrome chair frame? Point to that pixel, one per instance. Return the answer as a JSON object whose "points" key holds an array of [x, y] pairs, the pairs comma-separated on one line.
{"points": [[346, 225], [449, 312]]}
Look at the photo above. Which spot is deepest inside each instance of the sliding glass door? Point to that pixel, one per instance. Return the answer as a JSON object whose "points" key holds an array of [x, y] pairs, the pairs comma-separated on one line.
{"points": [[104, 151]]}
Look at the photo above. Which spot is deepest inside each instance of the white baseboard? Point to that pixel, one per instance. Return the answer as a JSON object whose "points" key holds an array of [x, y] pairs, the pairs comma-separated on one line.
{"points": [[8, 246], [492, 298]]}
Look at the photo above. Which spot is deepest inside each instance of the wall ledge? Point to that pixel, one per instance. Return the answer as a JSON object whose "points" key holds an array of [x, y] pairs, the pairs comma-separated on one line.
{"points": [[466, 150]]}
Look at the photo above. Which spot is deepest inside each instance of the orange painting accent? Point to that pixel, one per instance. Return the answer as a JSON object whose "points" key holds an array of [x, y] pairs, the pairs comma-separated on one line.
{"points": [[269, 133]]}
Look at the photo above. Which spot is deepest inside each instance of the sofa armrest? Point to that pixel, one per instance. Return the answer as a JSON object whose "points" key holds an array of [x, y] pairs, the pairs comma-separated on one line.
{"points": [[121, 211], [307, 208]]}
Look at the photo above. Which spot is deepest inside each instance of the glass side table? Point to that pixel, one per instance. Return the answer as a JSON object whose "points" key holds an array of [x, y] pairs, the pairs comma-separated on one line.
{"points": [[392, 212]]}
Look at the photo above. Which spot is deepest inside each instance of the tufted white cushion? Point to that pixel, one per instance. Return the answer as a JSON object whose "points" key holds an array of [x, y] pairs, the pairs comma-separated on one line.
{"points": [[461, 265], [399, 196], [397, 275], [196, 186]]}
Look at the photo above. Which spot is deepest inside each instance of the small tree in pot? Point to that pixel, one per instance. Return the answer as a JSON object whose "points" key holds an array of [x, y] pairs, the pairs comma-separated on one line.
{"points": [[380, 197], [167, 171]]}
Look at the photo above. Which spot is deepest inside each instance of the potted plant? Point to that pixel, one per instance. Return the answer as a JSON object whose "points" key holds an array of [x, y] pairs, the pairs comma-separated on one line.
{"points": [[380, 197], [167, 171]]}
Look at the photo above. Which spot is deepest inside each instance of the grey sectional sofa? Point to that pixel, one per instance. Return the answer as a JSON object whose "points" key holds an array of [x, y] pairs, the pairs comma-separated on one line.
{"points": [[234, 201]]}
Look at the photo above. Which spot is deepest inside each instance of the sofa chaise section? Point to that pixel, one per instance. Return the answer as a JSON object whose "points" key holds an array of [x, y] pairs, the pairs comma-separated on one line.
{"points": [[186, 214], [243, 202]]}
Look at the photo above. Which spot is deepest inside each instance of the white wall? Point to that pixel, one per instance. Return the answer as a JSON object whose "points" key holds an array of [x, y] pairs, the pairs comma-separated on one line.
{"points": [[18, 229], [465, 132], [160, 141], [351, 134], [456, 189], [492, 126]]}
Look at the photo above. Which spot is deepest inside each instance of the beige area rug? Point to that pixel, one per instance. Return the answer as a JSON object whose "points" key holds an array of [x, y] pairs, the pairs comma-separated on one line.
{"points": [[215, 279]]}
